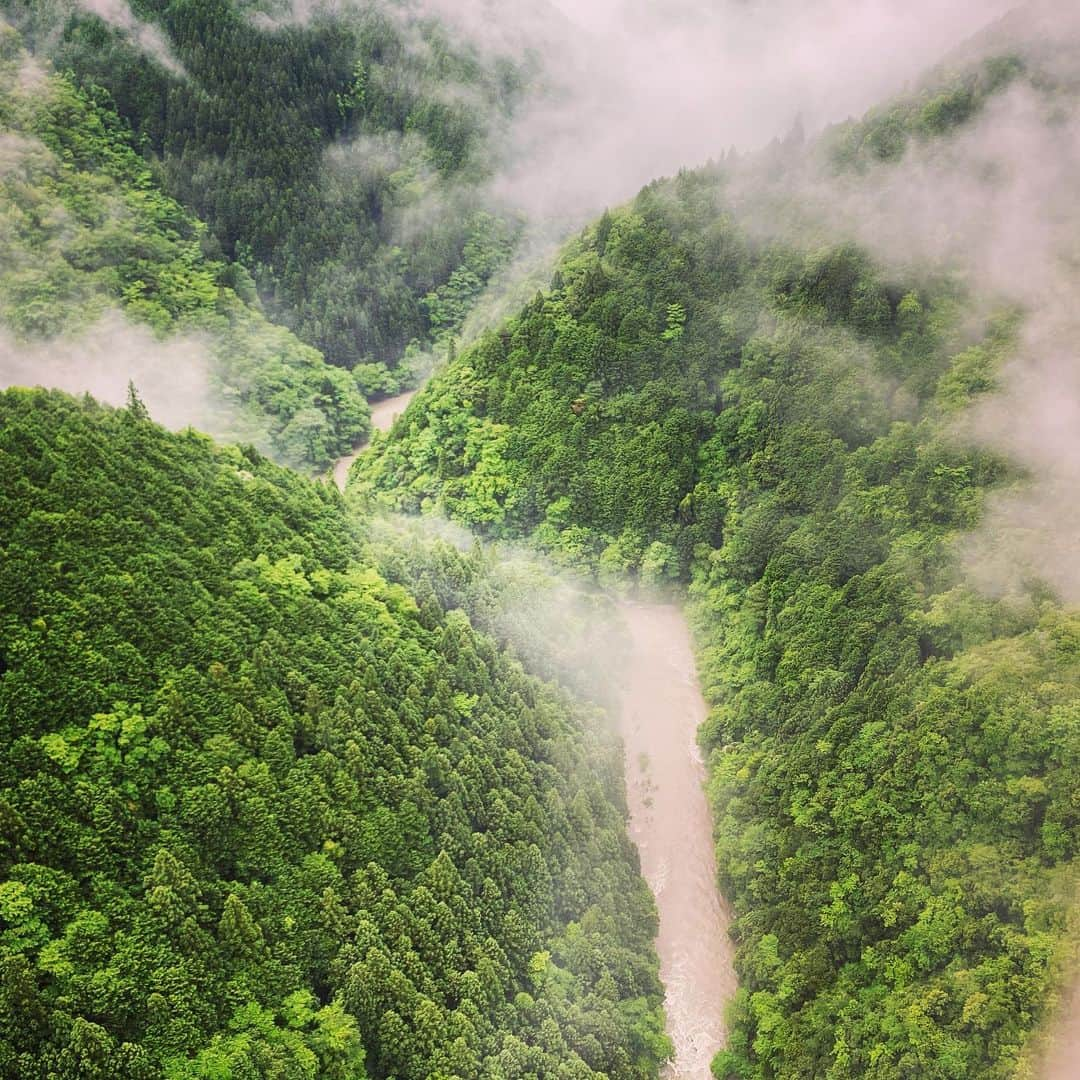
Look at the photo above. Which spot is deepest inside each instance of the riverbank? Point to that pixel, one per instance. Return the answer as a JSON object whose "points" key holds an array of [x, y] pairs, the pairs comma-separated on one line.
{"points": [[1062, 1056], [660, 712]]}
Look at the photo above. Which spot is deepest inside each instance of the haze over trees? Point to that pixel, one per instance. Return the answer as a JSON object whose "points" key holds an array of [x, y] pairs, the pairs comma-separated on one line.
{"points": [[335, 157], [893, 754], [287, 792], [87, 231], [262, 813]]}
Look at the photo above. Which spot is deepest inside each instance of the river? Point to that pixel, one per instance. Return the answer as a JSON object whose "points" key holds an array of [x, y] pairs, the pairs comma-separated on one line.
{"points": [[662, 709], [383, 415], [670, 823], [1063, 1058], [1060, 1043]]}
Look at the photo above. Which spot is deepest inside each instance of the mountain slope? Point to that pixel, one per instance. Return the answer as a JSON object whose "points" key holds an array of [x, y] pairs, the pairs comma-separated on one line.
{"points": [[86, 231], [336, 155], [262, 814], [893, 754]]}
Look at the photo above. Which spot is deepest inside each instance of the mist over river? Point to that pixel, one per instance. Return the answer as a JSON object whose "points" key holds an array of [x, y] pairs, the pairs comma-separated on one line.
{"points": [[660, 712]]}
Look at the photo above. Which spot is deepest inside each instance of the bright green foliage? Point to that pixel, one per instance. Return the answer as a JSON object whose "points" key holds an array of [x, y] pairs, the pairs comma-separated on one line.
{"points": [[582, 421], [893, 757], [84, 227], [339, 161], [264, 815]]}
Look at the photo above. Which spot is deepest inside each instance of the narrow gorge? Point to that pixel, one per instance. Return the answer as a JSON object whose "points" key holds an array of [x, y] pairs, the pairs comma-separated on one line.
{"points": [[680, 680], [671, 825], [660, 712]]}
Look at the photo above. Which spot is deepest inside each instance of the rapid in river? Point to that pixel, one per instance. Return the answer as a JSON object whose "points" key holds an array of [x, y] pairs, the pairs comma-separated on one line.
{"points": [[672, 827]]}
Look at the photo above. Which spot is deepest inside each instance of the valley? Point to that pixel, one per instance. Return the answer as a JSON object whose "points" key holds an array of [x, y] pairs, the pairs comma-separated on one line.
{"points": [[661, 711], [671, 825], [689, 687], [383, 415]]}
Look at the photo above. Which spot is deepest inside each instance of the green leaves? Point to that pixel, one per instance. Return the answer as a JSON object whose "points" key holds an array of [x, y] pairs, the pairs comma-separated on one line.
{"points": [[891, 752], [263, 818], [315, 154], [89, 230]]}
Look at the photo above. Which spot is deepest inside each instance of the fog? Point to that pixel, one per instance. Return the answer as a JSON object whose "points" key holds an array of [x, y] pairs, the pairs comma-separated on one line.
{"points": [[636, 659], [143, 35], [16, 150], [631, 90], [993, 202], [551, 617], [624, 91], [635, 89], [172, 376], [995, 207], [621, 92], [1031, 533]]}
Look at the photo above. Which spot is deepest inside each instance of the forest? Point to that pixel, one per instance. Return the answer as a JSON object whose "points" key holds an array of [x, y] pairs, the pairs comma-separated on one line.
{"points": [[361, 222], [302, 784], [333, 831], [893, 754], [86, 231]]}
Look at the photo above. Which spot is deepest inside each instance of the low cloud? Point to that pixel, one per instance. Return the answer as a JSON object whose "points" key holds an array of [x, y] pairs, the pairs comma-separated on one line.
{"points": [[145, 36], [643, 89], [173, 376], [994, 205], [1031, 532], [559, 626], [636, 89], [624, 91]]}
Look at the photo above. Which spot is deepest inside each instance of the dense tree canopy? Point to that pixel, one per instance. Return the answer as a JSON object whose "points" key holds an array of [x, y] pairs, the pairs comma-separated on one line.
{"points": [[264, 815], [287, 796], [337, 159], [893, 755], [85, 228]]}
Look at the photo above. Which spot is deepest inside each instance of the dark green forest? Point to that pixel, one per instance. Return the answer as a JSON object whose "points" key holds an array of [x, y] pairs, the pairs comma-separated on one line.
{"points": [[85, 229], [338, 160], [894, 756], [263, 814]]}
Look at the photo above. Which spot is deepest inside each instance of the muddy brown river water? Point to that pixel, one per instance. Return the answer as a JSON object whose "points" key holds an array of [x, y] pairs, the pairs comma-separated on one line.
{"points": [[672, 827], [662, 709], [1061, 1055], [383, 415]]}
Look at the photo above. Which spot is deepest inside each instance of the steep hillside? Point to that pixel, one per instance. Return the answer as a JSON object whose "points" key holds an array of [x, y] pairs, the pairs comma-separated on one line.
{"points": [[264, 815], [893, 754], [335, 155], [85, 231]]}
